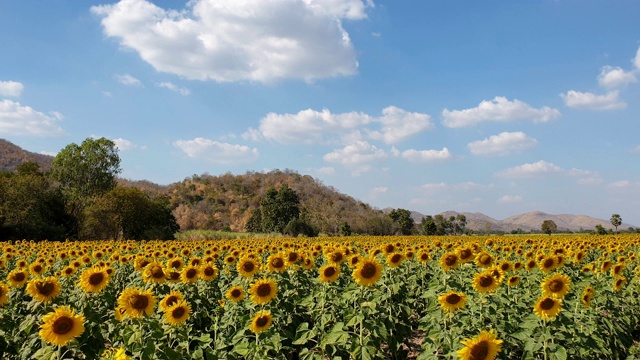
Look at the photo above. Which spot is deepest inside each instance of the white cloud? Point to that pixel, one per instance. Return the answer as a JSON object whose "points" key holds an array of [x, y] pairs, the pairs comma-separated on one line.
{"points": [[16, 119], [586, 177], [217, 152], [107, 94], [50, 153], [11, 88], [377, 191], [499, 109], [126, 79], [614, 77], [360, 152], [529, 170], [426, 155], [181, 90], [510, 199], [232, 40], [436, 188], [311, 127], [502, 144], [125, 145], [326, 170], [591, 101], [622, 184]]}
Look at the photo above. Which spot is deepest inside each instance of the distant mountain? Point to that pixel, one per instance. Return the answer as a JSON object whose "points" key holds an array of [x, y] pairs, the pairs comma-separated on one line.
{"points": [[12, 155], [528, 221]]}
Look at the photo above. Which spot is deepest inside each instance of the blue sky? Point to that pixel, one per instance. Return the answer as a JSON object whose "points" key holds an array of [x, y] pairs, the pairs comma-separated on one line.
{"points": [[499, 107]]}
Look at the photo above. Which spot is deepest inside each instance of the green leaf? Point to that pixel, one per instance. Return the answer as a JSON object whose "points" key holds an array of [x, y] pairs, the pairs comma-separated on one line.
{"points": [[45, 353], [559, 354], [337, 336]]}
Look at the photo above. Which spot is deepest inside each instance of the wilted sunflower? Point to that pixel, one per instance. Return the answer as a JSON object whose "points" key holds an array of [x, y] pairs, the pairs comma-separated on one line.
{"points": [[247, 267], [547, 307], [61, 326], [449, 261], [556, 285], [452, 301], [276, 263], [261, 321], [137, 302], [44, 290], [177, 314], [172, 298], [263, 291], [619, 283], [484, 282], [189, 274], [485, 346], [483, 259], [235, 294], [18, 277], [367, 272], [329, 273], [93, 280], [4, 292]]}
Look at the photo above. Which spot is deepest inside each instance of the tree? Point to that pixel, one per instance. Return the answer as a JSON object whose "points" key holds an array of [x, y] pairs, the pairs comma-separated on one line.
{"points": [[428, 226], [459, 224], [402, 218], [279, 208], [600, 230], [254, 224], [345, 229], [616, 221], [299, 226], [548, 227]]}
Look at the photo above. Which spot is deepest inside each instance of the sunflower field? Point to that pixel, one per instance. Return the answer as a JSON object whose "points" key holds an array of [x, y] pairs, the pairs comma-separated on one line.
{"points": [[465, 297]]}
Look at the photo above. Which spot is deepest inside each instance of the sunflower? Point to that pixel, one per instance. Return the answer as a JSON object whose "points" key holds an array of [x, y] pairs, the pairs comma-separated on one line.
{"points": [[235, 294], [452, 301], [189, 274], [170, 299], [177, 314], [395, 259], [484, 259], [485, 346], [368, 272], [292, 257], [137, 302], [263, 291], [276, 263], [329, 273], [556, 285], [616, 270], [4, 291], [261, 321], [619, 283], [606, 265], [116, 354], [465, 255], [119, 313], [354, 260], [93, 280], [587, 294], [61, 326], [423, 256], [18, 277], [37, 269], [513, 280], [154, 272], [531, 264], [336, 257], [449, 261], [484, 282], [208, 272], [547, 264], [308, 263], [175, 263], [547, 307], [247, 267], [44, 290]]}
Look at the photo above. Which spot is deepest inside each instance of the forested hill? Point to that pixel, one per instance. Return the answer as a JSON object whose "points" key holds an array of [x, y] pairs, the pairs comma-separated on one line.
{"points": [[227, 202], [12, 155]]}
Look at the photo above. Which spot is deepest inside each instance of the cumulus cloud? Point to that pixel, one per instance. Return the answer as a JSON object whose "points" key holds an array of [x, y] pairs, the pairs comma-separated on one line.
{"points": [[621, 184], [11, 88], [311, 127], [126, 79], [502, 144], [233, 40], [218, 152], [499, 109], [591, 101], [19, 120], [357, 153], [326, 170], [377, 191], [426, 155], [125, 145], [510, 199], [181, 90], [614, 77], [529, 170]]}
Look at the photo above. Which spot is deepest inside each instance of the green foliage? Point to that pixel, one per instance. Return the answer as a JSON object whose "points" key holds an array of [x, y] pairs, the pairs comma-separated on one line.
{"points": [[402, 218], [548, 227], [345, 229], [299, 226], [255, 222], [441, 225], [279, 208], [128, 213], [616, 220], [600, 230]]}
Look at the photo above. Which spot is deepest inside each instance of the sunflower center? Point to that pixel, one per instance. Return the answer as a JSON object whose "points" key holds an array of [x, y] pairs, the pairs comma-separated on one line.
{"points": [[19, 276], [175, 264], [45, 288], [178, 312], [424, 257], [556, 286], [157, 272], [465, 254], [293, 257], [262, 321], [248, 266], [174, 275], [504, 267], [144, 263], [139, 302], [264, 290], [329, 272], [547, 304], [486, 280], [450, 260], [485, 259], [172, 299], [389, 248], [548, 263], [209, 271], [368, 271], [396, 258], [62, 325], [480, 351], [195, 262], [336, 257], [191, 273], [96, 278], [236, 293], [277, 263], [37, 269], [453, 299]]}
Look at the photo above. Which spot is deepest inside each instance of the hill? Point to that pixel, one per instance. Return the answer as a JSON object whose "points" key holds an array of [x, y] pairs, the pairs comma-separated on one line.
{"points": [[12, 155]]}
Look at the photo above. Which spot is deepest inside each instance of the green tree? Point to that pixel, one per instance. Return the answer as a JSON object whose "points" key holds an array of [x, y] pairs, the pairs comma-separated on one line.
{"points": [[548, 227], [600, 230], [254, 224], [279, 208], [128, 213], [299, 226], [428, 226], [345, 229], [616, 221], [402, 218]]}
